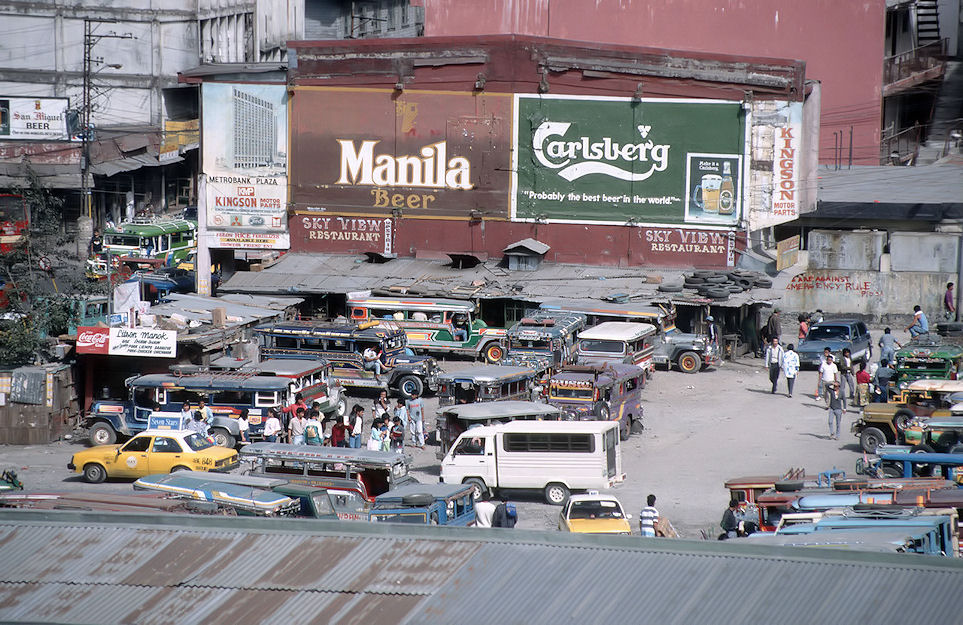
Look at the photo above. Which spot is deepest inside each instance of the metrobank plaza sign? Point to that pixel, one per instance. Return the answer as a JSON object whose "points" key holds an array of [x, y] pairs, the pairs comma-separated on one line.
{"points": [[244, 140], [583, 159]]}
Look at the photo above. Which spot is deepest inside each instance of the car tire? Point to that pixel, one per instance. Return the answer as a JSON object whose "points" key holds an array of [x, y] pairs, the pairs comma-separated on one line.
{"points": [[689, 362], [736, 288], [703, 273], [671, 288], [102, 434], [718, 294], [870, 439], [637, 426], [494, 352], [891, 471], [922, 470], [788, 486], [94, 473], [956, 449], [902, 418], [602, 412], [223, 438], [408, 385], [556, 493], [180, 467], [745, 283], [716, 279], [762, 283], [418, 500], [479, 486], [693, 281]]}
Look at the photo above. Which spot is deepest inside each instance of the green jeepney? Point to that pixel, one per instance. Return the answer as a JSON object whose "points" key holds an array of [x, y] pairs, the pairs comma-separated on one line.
{"points": [[435, 325], [171, 240], [927, 358]]}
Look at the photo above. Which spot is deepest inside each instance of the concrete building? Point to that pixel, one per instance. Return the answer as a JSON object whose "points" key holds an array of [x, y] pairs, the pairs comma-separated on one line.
{"points": [[879, 55]]}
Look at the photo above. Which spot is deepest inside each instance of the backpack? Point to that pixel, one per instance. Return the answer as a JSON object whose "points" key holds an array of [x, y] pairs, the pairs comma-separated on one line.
{"points": [[311, 431]]}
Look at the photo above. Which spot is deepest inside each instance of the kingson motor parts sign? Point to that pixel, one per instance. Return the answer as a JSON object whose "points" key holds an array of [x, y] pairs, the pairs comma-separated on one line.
{"points": [[619, 161]]}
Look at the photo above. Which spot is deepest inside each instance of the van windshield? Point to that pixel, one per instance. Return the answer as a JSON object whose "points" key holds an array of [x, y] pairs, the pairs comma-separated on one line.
{"points": [[599, 345]]}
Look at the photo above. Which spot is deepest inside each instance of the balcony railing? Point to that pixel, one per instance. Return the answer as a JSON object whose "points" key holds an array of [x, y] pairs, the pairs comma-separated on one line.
{"points": [[900, 148], [915, 61]]}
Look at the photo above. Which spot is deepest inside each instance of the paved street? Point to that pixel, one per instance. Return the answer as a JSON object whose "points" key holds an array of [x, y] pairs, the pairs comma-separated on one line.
{"points": [[700, 430]]}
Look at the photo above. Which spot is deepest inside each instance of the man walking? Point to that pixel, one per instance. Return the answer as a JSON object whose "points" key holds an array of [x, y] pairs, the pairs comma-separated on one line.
{"points": [[828, 377], [416, 409], [648, 517], [773, 360], [888, 345], [835, 410], [949, 303]]}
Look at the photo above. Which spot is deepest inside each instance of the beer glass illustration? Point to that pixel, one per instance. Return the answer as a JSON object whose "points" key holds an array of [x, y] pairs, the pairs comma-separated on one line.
{"points": [[706, 193]]}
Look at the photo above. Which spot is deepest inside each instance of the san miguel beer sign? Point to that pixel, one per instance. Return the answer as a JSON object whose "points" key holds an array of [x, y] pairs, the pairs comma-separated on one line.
{"points": [[379, 153], [618, 161]]}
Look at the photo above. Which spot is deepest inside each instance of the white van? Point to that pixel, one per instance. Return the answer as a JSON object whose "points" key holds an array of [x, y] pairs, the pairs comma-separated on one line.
{"points": [[556, 457], [628, 342]]}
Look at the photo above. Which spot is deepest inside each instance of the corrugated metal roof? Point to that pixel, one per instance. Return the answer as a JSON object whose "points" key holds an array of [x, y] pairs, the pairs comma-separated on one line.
{"points": [[73, 567], [333, 273]]}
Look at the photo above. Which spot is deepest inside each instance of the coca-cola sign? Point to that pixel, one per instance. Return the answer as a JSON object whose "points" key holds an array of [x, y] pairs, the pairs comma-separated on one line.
{"points": [[127, 342], [93, 340]]}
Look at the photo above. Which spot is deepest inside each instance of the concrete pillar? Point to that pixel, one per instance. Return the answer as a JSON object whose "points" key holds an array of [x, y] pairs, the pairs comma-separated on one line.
{"points": [[85, 230], [202, 266]]}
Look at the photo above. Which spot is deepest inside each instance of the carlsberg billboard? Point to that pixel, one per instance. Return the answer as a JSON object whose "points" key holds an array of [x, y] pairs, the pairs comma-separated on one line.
{"points": [[616, 161]]}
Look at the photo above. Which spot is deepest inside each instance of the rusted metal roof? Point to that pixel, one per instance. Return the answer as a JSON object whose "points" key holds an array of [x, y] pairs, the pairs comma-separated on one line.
{"points": [[74, 567]]}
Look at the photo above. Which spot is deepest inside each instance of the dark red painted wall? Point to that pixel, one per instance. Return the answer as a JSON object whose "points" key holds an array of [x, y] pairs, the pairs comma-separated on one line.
{"points": [[840, 41]]}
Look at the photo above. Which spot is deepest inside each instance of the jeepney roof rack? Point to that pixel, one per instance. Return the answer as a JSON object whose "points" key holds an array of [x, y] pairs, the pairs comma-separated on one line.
{"points": [[531, 321], [181, 371]]}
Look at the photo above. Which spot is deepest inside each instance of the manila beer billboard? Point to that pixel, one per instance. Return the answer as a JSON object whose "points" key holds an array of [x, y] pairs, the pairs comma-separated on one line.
{"points": [[619, 161], [245, 159]]}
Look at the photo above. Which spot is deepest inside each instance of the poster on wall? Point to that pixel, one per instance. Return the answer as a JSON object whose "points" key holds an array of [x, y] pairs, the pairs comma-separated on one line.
{"points": [[146, 342], [33, 119], [245, 161], [620, 161]]}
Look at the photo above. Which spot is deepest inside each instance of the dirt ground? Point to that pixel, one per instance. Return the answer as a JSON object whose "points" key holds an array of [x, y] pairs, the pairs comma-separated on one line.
{"points": [[700, 430]]}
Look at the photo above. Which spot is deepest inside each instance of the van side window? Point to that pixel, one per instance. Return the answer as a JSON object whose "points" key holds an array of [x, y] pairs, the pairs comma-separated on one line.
{"points": [[473, 445], [529, 443], [266, 399]]}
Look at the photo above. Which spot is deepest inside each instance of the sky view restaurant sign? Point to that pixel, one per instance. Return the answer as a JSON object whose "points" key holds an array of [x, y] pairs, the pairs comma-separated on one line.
{"points": [[618, 161]]}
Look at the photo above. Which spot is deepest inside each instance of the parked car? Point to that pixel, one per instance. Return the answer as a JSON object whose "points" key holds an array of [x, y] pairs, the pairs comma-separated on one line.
{"points": [[153, 451], [837, 335], [593, 513], [884, 423]]}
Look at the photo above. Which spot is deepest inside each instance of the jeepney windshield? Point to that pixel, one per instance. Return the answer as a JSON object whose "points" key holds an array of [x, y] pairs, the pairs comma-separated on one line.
{"points": [[122, 240], [322, 504], [535, 344], [572, 392], [601, 345], [197, 442]]}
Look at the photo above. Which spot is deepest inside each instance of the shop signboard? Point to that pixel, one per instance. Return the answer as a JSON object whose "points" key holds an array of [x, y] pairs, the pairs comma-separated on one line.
{"points": [[146, 342], [245, 161], [382, 153], [33, 119], [617, 161], [787, 160], [248, 240]]}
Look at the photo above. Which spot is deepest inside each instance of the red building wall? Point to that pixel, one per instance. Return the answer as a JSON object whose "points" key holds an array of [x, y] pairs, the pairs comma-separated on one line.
{"points": [[840, 41]]}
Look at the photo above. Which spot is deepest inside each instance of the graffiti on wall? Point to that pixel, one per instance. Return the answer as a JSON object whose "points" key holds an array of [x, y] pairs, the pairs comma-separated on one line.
{"points": [[843, 284]]}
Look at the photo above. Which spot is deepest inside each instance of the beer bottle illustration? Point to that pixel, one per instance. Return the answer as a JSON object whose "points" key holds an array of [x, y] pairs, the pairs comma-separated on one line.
{"points": [[727, 194]]}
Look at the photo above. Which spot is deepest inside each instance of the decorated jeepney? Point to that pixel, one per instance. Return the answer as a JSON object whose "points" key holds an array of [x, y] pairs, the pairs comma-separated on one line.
{"points": [[143, 244]]}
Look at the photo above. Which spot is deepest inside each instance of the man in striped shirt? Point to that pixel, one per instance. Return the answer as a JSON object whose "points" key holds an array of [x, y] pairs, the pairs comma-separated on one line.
{"points": [[648, 517]]}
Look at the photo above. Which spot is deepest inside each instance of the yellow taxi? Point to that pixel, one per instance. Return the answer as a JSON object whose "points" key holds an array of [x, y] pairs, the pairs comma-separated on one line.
{"points": [[593, 513], [153, 451]]}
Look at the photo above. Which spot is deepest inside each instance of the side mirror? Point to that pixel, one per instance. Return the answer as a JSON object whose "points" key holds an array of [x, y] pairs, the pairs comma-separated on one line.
{"points": [[628, 517]]}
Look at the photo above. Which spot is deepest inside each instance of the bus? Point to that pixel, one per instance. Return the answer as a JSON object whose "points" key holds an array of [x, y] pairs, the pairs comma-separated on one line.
{"points": [[14, 221]]}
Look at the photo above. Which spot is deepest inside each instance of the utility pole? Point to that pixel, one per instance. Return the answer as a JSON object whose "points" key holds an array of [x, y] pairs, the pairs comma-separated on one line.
{"points": [[90, 40]]}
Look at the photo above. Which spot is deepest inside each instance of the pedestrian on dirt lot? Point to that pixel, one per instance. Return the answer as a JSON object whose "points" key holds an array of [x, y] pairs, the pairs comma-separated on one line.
{"points": [[648, 517], [396, 436], [790, 366], [296, 427], [846, 377], [773, 326], [773, 360], [919, 325], [835, 409], [803, 326], [863, 382], [884, 375], [949, 303], [506, 515], [828, 376], [313, 429], [484, 512], [416, 410], [730, 521], [357, 425], [888, 345], [712, 331], [272, 427]]}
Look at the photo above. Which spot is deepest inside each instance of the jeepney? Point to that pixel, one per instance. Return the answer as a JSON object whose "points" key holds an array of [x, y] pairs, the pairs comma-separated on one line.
{"points": [[485, 383], [884, 423], [543, 340], [426, 504], [943, 434], [609, 392], [142, 240], [432, 325], [619, 342], [453, 420], [690, 352], [343, 345], [373, 472], [927, 357]]}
